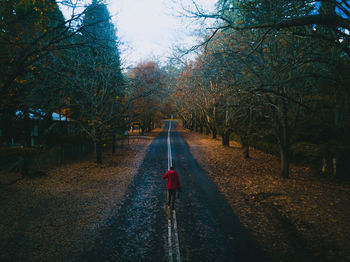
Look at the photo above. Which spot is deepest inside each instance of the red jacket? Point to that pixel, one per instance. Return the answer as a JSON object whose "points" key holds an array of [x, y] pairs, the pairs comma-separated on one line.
{"points": [[173, 179]]}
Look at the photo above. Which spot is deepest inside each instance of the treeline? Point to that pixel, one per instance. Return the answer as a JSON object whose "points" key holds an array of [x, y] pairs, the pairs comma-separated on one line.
{"points": [[274, 75], [149, 95], [71, 67]]}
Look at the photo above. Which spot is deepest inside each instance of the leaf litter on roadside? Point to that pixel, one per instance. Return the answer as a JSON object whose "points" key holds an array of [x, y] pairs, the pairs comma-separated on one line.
{"points": [[58, 215], [300, 218]]}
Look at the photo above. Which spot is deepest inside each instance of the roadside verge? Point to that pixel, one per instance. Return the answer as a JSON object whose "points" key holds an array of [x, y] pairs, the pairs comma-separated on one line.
{"points": [[56, 216], [302, 218]]}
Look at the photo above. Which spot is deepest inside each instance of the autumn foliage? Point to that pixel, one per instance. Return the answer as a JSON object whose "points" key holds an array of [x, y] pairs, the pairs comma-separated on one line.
{"points": [[283, 91]]}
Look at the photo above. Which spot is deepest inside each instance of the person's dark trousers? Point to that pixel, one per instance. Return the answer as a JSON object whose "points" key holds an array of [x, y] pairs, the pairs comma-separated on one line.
{"points": [[171, 197]]}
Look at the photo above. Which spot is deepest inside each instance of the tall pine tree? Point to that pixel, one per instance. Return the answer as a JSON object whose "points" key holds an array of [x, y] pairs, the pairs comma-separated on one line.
{"points": [[99, 90]]}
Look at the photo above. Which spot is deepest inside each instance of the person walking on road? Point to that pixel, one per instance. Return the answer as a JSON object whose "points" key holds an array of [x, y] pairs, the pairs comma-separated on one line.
{"points": [[173, 184]]}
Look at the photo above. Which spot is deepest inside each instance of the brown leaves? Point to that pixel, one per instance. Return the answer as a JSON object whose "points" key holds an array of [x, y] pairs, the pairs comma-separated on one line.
{"points": [[61, 213], [289, 217]]}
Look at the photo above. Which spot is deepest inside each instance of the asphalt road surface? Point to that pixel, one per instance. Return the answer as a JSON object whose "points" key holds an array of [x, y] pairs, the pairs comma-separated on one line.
{"points": [[202, 227]]}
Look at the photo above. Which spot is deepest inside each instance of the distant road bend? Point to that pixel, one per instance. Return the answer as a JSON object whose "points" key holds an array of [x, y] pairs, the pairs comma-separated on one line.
{"points": [[203, 227]]}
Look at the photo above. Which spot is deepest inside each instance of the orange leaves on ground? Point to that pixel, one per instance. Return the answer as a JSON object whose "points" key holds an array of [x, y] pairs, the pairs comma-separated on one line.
{"points": [[298, 219], [65, 209]]}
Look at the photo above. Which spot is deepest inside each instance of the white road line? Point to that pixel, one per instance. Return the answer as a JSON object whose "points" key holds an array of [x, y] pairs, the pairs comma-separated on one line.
{"points": [[177, 245], [170, 159], [169, 241], [169, 220]]}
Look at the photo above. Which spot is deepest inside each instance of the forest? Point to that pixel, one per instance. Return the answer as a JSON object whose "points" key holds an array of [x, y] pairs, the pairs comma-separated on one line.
{"points": [[70, 68], [255, 117], [273, 75]]}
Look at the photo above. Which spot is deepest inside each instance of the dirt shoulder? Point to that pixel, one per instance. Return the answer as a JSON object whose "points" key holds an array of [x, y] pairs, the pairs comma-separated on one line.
{"points": [[54, 217], [297, 219]]}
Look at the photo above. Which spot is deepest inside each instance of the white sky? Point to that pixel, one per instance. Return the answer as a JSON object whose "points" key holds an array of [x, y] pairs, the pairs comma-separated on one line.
{"points": [[148, 29]]}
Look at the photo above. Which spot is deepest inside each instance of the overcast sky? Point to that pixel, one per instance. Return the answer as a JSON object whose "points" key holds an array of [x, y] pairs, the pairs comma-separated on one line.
{"points": [[150, 28]]}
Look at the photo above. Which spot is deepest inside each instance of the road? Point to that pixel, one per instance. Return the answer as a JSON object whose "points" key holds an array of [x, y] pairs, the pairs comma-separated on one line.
{"points": [[203, 227]]}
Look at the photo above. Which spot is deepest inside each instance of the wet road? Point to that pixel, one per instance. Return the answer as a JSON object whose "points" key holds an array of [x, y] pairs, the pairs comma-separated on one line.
{"points": [[206, 228]]}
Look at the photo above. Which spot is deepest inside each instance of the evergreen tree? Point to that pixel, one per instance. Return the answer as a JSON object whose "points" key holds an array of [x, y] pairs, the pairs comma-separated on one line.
{"points": [[30, 32], [99, 85]]}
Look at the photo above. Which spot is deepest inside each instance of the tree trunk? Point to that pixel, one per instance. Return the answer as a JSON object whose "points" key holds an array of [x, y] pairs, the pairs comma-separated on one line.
{"points": [[245, 147], [48, 124], [200, 128], [98, 151], [113, 143], [8, 124], [27, 130], [226, 138], [200, 124], [327, 166], [149, 127], [284, 161], [284, 141], [193, 124], [214, 133]]}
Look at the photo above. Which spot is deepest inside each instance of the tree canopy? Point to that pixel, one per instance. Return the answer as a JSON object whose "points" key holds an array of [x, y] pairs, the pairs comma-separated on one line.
{"points": [[271, 74]]}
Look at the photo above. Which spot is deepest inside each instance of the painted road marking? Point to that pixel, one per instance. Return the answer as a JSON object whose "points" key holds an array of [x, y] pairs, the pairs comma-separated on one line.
{"points": [[170, 159], [177, 245], [169, 241]]}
